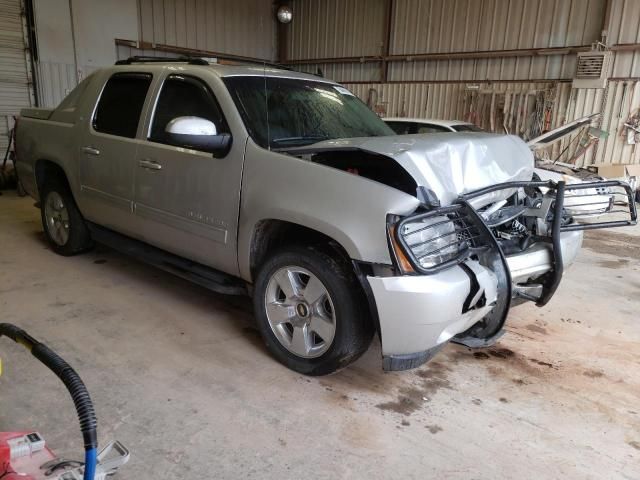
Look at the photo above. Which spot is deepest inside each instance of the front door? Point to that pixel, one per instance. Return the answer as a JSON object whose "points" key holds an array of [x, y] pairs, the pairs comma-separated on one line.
{"points": [[186, 200], [108, 152]]}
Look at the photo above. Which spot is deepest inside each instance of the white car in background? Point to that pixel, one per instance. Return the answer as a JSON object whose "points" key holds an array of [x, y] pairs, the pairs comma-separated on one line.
{"points": [[408, 126], [583, 204]]}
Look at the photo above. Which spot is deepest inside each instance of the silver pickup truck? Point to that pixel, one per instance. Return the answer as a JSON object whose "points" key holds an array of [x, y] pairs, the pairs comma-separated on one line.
{"points": [[286, 186]]}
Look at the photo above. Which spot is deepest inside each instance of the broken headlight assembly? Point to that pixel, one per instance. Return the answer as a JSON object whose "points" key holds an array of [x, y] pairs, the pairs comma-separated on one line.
{"points": [[432, 241]]}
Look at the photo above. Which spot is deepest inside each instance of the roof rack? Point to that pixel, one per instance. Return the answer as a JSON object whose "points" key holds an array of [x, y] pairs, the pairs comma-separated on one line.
{"points": [[146, 59], [201, 61]]}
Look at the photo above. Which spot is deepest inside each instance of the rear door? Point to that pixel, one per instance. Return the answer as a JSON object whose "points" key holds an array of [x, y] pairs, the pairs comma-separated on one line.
{"points": [[186, 200], [108, 152]]}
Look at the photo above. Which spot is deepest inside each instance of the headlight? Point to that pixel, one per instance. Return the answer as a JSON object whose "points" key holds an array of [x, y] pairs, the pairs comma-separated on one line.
{"points": [[432, 241]]}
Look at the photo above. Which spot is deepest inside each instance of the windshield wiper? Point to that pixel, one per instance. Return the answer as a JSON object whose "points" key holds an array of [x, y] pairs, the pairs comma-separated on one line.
{"points": [[299, 141]]}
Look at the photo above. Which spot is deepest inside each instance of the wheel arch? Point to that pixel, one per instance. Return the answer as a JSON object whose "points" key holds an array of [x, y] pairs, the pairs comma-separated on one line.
{"points": [[270, 234], [45, 168]]}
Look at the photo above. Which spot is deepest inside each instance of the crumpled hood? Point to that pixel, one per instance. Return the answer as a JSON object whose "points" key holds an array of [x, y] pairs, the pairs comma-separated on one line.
{"points": [[452, 164]]}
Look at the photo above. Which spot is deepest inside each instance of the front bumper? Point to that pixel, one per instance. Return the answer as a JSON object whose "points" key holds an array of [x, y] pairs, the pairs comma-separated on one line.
{"points": [[418, 314], [539, 258]]}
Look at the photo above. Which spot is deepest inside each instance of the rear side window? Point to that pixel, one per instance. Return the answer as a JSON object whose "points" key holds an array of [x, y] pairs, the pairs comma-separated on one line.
{"points": [[184, 96], [120, 105]]}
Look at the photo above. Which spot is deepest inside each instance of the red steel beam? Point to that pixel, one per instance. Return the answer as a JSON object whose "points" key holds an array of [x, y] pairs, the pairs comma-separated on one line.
{"points": [[521, 52]]}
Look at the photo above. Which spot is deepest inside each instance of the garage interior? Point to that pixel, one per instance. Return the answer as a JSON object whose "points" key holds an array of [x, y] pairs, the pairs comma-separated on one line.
{"points": [[181, 376]]}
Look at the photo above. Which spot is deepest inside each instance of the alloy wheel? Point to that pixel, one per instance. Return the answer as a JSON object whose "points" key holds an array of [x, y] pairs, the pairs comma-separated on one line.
{"points": [[57, 218], [300, 311]]}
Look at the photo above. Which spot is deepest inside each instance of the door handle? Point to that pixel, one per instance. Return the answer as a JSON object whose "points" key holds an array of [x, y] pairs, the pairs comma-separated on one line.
{"points": [[91, 151], [149, 164]]}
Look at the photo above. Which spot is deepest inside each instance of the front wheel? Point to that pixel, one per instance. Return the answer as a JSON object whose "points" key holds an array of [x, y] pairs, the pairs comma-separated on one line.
{"points": [[311, 311]]}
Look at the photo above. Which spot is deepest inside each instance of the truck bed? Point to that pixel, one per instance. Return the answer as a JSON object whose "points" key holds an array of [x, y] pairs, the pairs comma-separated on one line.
{"points": [[39, 113]]}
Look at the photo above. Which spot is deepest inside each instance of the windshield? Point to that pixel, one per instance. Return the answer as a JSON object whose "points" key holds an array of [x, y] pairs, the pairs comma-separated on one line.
{"points": [[467, 127], [301, 112]]}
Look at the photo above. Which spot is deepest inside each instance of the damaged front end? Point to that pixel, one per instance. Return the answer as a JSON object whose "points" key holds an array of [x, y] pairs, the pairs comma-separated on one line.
{"points": [[461, 267], [487, 234]]}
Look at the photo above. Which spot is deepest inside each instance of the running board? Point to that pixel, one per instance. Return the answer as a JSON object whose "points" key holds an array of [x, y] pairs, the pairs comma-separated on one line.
{"points": [[202, 275]]}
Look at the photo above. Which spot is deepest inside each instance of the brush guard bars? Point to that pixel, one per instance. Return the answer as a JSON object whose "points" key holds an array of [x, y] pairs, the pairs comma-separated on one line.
{"points": [[453, 233]]}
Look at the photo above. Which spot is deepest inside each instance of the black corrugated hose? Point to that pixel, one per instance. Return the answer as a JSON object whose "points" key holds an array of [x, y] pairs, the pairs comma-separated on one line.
{"points": [[71, 380]]}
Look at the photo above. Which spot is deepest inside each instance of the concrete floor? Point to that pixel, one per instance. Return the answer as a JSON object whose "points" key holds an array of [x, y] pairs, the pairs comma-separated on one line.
{"points": [[181, 377]]}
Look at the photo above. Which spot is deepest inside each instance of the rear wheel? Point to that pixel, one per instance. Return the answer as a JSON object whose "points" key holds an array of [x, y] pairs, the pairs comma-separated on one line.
{"points": [[311, 311], [63, 224]]}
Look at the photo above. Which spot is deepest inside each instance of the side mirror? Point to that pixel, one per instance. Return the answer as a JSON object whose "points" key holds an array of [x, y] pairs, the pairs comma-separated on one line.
{"points": [[198, 134]]}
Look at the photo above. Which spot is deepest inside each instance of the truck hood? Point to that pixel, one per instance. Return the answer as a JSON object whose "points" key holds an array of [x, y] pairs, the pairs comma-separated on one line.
{"points": [[449, 164], [553, 136]]}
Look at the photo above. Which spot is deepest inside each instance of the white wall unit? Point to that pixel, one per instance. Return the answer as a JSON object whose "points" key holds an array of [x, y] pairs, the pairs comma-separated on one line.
{"points": [[97, 23], [77, 36]]}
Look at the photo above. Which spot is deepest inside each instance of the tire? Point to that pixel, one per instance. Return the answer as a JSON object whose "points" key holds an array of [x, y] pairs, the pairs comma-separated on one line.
{"points": [[63, 225], [327, 324]]}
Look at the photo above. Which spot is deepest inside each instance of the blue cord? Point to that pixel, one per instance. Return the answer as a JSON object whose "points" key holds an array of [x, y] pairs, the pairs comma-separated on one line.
{"points": [[90, 461]]}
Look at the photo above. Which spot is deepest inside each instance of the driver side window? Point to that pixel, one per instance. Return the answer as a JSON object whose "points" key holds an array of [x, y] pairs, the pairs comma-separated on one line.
{"points": [[184, 96]]}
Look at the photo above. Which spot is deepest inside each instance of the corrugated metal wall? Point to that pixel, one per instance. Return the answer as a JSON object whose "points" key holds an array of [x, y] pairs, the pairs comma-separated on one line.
{"points": [[437, 26], [429, 100], [345, 72], [467, 25], [617, 103], [437, 88], [15, 81], [624, 27], [622, 100], [240, 27], [56, 81], [336, 28]]}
